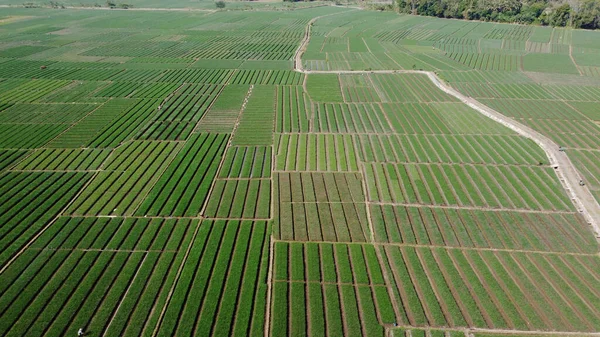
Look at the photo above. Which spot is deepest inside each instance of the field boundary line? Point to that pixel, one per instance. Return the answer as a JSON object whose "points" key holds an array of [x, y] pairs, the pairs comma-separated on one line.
{"points": [[462, 248]]}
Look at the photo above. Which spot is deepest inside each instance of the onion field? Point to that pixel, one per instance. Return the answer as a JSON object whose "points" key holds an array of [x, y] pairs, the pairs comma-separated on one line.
{"points": [[285, 169]]}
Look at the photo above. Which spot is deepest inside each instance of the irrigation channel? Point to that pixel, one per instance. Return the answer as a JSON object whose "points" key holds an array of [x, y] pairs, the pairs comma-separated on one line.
{"points": [[567, 173]]}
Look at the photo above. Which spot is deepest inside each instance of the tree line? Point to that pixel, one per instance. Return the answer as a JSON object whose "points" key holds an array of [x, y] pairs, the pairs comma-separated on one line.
{"points": [[560, 13]]}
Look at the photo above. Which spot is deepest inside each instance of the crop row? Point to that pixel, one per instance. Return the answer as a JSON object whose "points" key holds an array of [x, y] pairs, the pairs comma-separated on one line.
{"points": [[247, 162], [241, 55], [292, 110], [128, 177], [256, 123], [408, 88], [507, 187], [300, 187], [279, 77], [63, 159], [126, 234], [185, 184], [221, 290], [239, 198], [561, 132], [448, 149], [29, 201], [498, 290], [481, 229], [26, 113], [315, 152], [90, 126]]}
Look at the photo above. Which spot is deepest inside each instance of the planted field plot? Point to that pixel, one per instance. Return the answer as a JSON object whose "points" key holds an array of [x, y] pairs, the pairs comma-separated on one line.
{"points": [[247, 162], [9, 157], [499, 187], [229, 258], [440, 118], [225, 111], [350, 118], [324, 88], [256, 124], [455, 227], [320, 207], [170, 173], [328, 308], [293, 110], [408, 88], [29, 201], [240, 199], [358, 88], [185, 183], [474, 149], [315, 152], [63, 160], [124, 183]]}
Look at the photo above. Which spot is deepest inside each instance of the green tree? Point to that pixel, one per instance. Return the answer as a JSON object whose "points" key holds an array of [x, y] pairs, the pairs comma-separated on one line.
{"points": [[220, 4]]}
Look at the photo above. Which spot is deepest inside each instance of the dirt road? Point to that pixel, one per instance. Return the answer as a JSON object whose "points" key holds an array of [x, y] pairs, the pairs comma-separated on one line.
{"points": [[567, 173]]}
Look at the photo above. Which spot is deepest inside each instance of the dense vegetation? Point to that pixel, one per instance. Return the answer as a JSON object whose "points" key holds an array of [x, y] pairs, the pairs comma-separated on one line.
{"points": [[576, 13]]}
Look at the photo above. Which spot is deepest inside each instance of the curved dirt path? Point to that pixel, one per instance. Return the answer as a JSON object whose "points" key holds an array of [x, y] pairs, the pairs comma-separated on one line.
{"points": [[568, 175]]}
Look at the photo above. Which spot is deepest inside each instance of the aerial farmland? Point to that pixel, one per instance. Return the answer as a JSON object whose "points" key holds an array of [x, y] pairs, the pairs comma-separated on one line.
{"points": [[295, 169]]}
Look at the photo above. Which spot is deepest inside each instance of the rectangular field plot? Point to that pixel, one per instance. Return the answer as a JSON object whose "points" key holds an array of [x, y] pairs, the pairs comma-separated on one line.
{"points": [[185, 183], [499, 187], [350, 118], [247, 162], [63, 160], [320, 207], [440, 118], [10, 157], [128, 177], [45, 113], [482, 229], [329, 310], [497, 290], [116, 293], [408, 88], [189, 103], [327, 263], [257, 121], [473, 149], [121, 234], [239, 198], [29, 201], [28, 136], [358, 88], [222, 289], [90, 126], [293, 110], [315, 152]]}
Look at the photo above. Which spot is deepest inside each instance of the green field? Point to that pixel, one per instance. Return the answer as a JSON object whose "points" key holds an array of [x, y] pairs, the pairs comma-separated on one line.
{"points": [[169, 173]]}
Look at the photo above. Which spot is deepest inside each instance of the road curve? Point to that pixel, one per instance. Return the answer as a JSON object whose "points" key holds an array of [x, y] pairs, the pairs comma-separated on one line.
{"points": [[568, 175]]}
